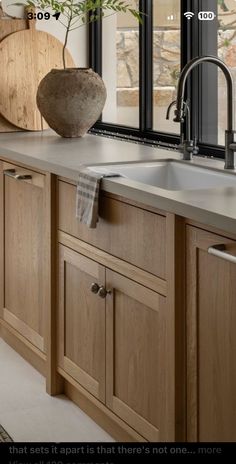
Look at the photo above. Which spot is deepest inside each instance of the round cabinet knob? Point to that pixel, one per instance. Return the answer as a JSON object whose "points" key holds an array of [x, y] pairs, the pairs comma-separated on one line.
{"points": [[102, 292], [94, 288]]}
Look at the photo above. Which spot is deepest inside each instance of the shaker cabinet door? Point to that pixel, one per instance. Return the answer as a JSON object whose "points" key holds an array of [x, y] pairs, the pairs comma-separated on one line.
{"points": [[211, 340], [137, 370], [24, 286], [81, 322]]}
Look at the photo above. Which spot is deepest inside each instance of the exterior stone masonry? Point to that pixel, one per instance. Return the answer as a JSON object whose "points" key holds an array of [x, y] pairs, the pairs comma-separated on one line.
{"points": [[166, 64]]}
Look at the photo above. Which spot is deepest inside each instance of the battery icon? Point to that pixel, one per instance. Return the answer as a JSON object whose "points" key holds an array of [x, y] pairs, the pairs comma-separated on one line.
{"points": [[206, 15]]}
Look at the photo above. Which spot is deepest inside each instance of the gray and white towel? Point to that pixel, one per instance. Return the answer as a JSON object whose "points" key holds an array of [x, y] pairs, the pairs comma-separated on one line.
{"points": [[87, 195]]}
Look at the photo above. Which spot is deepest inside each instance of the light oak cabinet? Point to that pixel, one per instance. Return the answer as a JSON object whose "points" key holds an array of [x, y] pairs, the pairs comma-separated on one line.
{"points": [[24, 263], [137, 387], [211, 340], [124, 230], [155, 358], [81, 321], [114, 344]]}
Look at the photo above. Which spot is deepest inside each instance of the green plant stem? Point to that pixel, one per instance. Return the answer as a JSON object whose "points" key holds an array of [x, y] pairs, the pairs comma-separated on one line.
{"points": [[89, 22], [77, 10], [66, 39]]}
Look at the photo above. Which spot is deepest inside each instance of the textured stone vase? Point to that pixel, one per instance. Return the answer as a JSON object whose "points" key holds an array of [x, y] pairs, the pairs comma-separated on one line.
{"points": [[71, 100]]}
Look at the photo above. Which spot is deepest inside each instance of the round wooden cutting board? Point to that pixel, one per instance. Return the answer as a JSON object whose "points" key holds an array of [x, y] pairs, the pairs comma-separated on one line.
{"points": [[25, 58]]}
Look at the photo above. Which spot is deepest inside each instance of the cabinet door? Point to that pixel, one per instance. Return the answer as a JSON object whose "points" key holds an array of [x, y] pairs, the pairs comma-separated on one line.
{"points": [[81, 335], [137, 369], [24, 252], [211, 340]]}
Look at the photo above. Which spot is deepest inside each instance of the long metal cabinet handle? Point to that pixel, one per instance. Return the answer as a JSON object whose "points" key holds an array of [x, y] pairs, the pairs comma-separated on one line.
{"points": [[12, 173], [219, 251]]}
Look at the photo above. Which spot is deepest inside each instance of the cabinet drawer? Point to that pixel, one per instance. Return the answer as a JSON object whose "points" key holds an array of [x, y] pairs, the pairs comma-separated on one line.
{"points": [[24, 175], [125, 231]]}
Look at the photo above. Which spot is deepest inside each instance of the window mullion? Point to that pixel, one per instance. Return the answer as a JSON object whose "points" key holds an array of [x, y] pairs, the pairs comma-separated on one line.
{"points": [[208, 78], [146, 66], [190, 50], [95, 46], [198, 39]]}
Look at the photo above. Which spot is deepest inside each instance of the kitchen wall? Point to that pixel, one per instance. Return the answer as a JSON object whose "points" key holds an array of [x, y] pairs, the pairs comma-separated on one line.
{"points": [[77, 43]]}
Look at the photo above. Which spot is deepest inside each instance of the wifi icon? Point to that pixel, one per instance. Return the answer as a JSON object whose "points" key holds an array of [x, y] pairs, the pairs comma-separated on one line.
{"points": [[188, 14]]}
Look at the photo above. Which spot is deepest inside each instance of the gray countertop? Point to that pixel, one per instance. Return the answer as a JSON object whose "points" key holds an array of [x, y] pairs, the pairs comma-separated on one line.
{"points": [[64, 157]]}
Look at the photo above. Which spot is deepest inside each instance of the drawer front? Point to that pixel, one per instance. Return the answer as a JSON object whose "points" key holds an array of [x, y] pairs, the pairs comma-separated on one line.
{"points": [[125, 231], [24, 175]]}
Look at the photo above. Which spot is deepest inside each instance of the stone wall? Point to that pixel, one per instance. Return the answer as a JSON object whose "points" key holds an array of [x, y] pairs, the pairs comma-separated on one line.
{"points": [[227, 47], [227, 52], [166, 64]]}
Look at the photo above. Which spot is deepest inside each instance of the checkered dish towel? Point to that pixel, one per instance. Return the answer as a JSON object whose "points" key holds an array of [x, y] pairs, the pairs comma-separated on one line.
{"points": [[87, 195]]}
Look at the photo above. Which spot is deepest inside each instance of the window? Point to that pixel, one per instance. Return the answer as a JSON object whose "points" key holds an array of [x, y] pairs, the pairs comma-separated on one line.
{"points": [[166, 61], [226, 44], [140, 65], [120, 65]]}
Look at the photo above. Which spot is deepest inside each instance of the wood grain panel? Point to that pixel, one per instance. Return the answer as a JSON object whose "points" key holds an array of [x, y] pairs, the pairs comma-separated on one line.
{"points": [[54, 382], [8, 27], [214, 230], [137, 386], [103, 416], [22, 346], [116, 264], [81, 376], [23, 329], [32, 55], [81, 335], [176, 324], [6, 126], [211, 303], [1, 240], [25, 253], [37, 179], [123, 230]]}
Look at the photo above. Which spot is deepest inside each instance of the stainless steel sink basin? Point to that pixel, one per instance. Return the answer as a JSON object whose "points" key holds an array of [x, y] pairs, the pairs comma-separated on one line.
{"points": [[171, 175]]}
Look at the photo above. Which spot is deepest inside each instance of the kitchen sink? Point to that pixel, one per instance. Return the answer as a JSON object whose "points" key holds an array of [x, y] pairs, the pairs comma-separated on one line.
{"points": [[171, 175]]}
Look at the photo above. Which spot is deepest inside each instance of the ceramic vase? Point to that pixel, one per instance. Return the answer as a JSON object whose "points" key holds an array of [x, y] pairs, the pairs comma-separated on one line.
{"points": [[71, 100]]}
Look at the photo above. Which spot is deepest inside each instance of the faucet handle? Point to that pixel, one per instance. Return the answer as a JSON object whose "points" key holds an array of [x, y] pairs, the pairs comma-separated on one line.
{"points": [[179, 116], [195, 146], [230, 149], [183, 113], [169, 108], [233, 146]]}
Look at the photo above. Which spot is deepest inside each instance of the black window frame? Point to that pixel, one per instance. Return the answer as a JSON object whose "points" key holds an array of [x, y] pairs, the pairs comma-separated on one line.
{"points": [[195, 41]]}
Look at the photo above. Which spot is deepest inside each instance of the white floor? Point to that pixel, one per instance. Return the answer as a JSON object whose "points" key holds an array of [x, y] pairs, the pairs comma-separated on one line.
{"points": [[28, 414]]}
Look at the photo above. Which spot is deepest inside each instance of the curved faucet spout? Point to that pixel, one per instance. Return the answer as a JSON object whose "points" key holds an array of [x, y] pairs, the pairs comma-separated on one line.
{"points": [[179, 112]]}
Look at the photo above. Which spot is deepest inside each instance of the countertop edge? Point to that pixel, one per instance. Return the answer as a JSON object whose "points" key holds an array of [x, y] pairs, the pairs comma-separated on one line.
{"points": [[191, 212], [133, 192]]}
